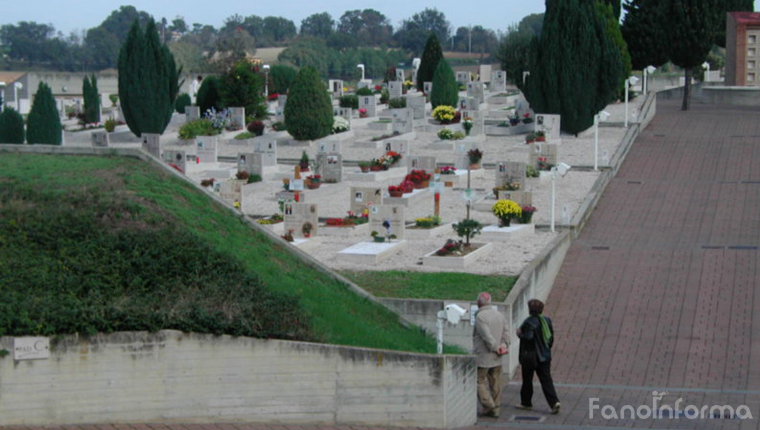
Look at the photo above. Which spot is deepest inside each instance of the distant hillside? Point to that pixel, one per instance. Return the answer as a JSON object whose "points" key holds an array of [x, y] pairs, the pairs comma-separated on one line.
{"points": [[100, 244]]}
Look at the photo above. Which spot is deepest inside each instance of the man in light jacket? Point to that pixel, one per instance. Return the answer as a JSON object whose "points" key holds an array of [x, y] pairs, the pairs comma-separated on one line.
{"points": [[490, 340]]}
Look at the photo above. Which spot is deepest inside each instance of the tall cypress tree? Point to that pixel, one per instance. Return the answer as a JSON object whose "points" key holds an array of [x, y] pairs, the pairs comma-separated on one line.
{"points": [[11, 126], [445, 87], [691, 32], [615, 4], [43, 124], [308, 112], [148, 80], [91, 99], [575, 67], [431, 56], [613, 30], [644, 31], [209, 95]]}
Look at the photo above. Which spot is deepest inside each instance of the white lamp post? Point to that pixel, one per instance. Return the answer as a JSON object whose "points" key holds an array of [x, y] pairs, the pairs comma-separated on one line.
{"points": [[648, 70], [361, 66], [633, 80], [706, 65], [17, 86], [452, 314], [560, 169], [601, 116], [525, 76], [266, 80], [2, 95]]}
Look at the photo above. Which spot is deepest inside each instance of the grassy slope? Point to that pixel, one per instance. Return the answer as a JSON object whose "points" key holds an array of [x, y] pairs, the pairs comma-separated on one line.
{"points": [[336, 315]]}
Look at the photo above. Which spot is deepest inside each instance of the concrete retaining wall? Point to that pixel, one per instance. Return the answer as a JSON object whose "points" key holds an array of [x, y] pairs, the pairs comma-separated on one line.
{"points": [[171, 376], [701, 93]]}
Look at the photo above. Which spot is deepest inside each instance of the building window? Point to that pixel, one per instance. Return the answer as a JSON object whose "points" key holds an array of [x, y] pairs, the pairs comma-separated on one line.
{"points": [[751, 52], [751, 64], [752, 39], [750, 77]]}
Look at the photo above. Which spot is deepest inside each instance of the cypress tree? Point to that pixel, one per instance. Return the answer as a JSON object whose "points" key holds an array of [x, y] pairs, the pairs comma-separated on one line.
{"points": [[615, 5], [575, 66], [208, 95], [431, 56], [445, 87], [644, 32], [91, 99], [613, 30], [691, 32], [11, 126], [308, 112], [242, 87], [148, 80], [43, 124]]}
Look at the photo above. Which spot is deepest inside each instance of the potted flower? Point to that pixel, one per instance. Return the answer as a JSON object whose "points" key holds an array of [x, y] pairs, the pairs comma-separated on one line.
{"points": [[543, 164], [376, 236], [306, 229], [530, 138], [288, 236], [444, 114], [364, 165], [393, 157], [526, 119], [514, 120], [376, 164], [407, 185], [527, 214], [304, 163], [540, 136], [395, 191], [313, 181], [505, 210], [467, 125], [474, 155], [363, 113], [420, 178], [448, 170]]}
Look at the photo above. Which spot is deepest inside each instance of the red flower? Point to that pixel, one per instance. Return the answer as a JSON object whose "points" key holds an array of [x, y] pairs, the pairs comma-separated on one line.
{"points": [[378, 87]]}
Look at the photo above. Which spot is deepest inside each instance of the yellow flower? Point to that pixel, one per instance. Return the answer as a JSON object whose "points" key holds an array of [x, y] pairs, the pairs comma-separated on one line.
{"points": [[506, 209]]}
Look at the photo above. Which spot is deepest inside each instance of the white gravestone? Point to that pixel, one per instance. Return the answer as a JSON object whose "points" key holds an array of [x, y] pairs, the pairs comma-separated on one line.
{"points": [[176, 158], [498, 81], [403, 120], [395, 89], [100, 139], [329, 146], [268, 150], [192, 113], [364, 83], [545, 150], [370, 104], [416, 103], [282, 99], [464, 78], [461, 159], [478, 121], [152, 143], [549, 124], [427, 87], [345, 113], [298, 215], [330, 166], [510, 171], [251, 162], [364, 198], [390, 215], [425, 163], [522, 198], [206, 149], [485, 73], [400, 75], [237, 118], [336, 87], [475, 90], [468, 103], [402, 147]]}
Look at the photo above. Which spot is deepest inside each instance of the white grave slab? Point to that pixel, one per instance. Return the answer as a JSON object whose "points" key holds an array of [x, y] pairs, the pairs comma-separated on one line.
{"points": [[514, 231], [371, 252], [206, 148]]}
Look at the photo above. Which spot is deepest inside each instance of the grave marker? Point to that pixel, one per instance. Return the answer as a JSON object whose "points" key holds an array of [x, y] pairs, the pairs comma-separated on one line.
{"points": [[100, 138], [461, 159], [427, 87], [251, 162], [370, 104], [485, 73], [192, 113], [543, 149], [336, 87], [329, 146], [393, 215], [400, 75], [416, 103], [475, 90], [498, 81], [330, 166], [549, 124], [464, 78], [364, 198], [403, 120], [298, 215], [425, 163], [176, 158], [151, 142], [395, 89], [206, 148], [478, 121], [237, 118], [510, 171]]}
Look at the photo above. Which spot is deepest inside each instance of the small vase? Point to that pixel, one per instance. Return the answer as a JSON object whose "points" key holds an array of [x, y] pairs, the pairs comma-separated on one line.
{"points": [[504, 222], [365, 169], [526, 218], [541, 139], [396, 194]]}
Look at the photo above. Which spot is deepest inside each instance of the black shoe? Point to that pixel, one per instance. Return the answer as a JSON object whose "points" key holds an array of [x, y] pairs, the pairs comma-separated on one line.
{"points": [[555, 408]]}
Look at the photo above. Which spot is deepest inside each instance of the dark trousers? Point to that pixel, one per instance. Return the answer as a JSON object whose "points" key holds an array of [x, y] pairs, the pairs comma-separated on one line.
{"points": [[543, 370]]}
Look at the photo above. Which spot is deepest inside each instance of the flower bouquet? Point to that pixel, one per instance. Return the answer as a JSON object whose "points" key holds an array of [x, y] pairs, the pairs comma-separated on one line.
{"points": [[505, 210]]}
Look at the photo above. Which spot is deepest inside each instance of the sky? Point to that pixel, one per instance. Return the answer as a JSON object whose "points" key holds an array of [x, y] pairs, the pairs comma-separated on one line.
{"points": [[70, 15]]}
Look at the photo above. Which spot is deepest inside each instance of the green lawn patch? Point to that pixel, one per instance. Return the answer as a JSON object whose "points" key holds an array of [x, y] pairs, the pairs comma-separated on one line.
{"points": [[423, 285], [155, 227]]}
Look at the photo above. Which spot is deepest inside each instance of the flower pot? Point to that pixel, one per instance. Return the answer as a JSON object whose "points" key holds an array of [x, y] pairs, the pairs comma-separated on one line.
{"points": [[313, 185], [379, 239], [365, 169], [421, 185], [304, 168], [526, 218], [409, 188], [376, 168], [307, 235], [385, 167], [475, 166], [541, 139], [504, 222], [448, 184], [396, 194]]}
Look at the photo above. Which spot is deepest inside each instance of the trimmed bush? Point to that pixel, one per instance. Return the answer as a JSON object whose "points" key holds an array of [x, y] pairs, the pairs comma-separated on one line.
{"points": [[91, 100], [11, 126], [209, 96], [198, 127], [431, 56], [364, 91], [445, 87], [397, 103], [349, 101], [281, 78], [44, 125], [308, 112], [242, 87], [183, 101]]}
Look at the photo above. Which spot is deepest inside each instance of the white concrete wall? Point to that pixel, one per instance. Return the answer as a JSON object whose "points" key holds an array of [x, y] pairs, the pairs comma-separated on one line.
{"points": [[172, 376]]}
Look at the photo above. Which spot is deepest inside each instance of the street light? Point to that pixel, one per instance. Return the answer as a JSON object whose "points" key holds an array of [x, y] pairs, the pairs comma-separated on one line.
{"points": [[525, 76], [17, 86], [266, 81], [633, 80], [2, 95], [648, 70], [560, 169], [706, 66], [361, 66], [601, 116]]}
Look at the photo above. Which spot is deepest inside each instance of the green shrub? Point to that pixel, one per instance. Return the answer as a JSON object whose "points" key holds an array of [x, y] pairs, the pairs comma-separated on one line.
{"points": [[431, 56], [384, 96], [467, 229], [308, 112], [281, 78], [242, 87], [208, 95], [445, 88], [349, 101], [254, 178], [244, 135], [110, 125], [91, 100], [279, 126], [198, 127], [11, 126], [183, 100], [364, 91], [397, 103], [44, 125]]}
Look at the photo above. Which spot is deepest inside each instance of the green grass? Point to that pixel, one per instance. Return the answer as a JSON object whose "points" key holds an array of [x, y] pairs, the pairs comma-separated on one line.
{"points": [[333, 313], [423, 285]]}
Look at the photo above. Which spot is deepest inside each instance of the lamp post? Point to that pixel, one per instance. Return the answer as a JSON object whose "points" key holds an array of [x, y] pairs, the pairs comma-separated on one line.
{"points": [[560, 169], [266, 81], [648, 70], [601, 116], [361, 66], [2, 95], [633, 80], [525, 76], [17, 86], [706, 66]]}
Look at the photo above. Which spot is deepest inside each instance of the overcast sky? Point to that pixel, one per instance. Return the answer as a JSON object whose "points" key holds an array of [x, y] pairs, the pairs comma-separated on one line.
{"points": [[83, 14]]}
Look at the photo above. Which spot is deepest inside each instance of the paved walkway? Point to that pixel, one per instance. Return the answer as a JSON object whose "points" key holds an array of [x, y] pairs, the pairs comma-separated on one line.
{"points": [[661, 291]]}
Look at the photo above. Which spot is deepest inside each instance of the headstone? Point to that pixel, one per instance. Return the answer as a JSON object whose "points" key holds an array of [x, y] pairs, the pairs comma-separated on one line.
{"points": [[326, 145], [206, 149], [543, 149], [370, 104], [485, 73], [498, 81], [346, 113], [151, 142], [402, 147], [400, 75], [237, 118], [416, 103], [393, 215], [425, 163], [192, 113], [414, 76], [364, 198], [478, 121], [468, 103], [330, 166], [268, 151], [461, 159], [336, 87], [395, 89], [297, 215], [427, 87], [549, 124], [251, 162], [100, 138], [231, 190], [522, 198], [510, 171], [403, 120], [176, 158], [364, 83], [464, 78], [475, 90]]}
